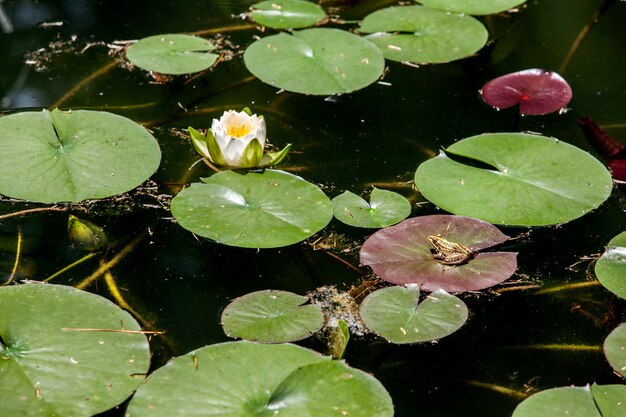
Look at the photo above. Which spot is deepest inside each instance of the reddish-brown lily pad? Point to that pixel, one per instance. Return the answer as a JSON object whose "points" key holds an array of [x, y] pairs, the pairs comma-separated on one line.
{"points": [[402, 254], [535, 90]]}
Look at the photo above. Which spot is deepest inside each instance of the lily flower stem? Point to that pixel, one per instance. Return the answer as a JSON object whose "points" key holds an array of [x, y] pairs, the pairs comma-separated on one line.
{"points": [[82, 83], [568, 287], [231, 28], [115, 292], [210, 165], [520, 395], [110, 264], [584, 32], [70, 266], [18, 251]]}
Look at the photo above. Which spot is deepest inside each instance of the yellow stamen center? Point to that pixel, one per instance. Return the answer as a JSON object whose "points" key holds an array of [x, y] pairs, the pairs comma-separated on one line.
{"points": [[238, 131]]}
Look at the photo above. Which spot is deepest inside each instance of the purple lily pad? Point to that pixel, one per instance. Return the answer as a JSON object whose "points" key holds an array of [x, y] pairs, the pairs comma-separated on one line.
{"points": [[535, 90], [610, 148], [401, 254]]}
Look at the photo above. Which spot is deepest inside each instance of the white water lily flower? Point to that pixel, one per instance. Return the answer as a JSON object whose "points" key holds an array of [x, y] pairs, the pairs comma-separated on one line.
{"points": [[236, 131], [236, 140]]}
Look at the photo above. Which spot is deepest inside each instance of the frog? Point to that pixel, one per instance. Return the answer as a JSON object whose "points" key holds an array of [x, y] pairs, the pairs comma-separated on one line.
{"points": [[449, 253]]}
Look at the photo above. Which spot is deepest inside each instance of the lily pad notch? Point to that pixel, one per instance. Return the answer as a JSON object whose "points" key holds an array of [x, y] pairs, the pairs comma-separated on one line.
{"points": [[57, 156]]}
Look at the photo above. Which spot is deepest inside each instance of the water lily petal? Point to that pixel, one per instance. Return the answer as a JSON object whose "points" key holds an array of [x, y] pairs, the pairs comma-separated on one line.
{"points": [[278, 157], [252, 155], [199, 142]]}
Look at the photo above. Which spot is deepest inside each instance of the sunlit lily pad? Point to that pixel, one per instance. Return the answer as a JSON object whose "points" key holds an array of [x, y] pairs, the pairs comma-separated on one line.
{"points": [[615, 349], [244, 379], [172, 54], [610, 399], [253, 210], [535, 90], [272, 316], [475, 7], [384, 209], [394, 313], [423, 35], [60, 156], [610, 269], [402, 254], [596, 401], [66, 352], [287, 14], [515, 179], [318, 61]]}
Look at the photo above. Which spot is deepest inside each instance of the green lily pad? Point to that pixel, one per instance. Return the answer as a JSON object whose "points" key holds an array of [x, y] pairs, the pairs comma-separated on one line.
{"points": [[272, 317], [330, 389], [253, 210], [597, 401], [172, 54], [63, 352], [610, 269], [384, 209], [515, 179], [403, 254], [475, 7], [58, 156], [394, 313], [610, 399], [244, 379], [423, 35], [315, 61], [615, 349], [287, 14]]}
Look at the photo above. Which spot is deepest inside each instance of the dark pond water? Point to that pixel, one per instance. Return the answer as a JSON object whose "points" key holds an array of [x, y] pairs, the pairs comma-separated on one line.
{"points": [[378, 135]]}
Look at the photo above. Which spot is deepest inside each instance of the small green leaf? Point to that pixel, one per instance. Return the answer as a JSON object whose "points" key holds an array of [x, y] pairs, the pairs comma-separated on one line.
{"points": [[272, 317], [615, 349], [252, 155], [610, 269], [172, 54], [85, 234], [384, 209], [423, 35], [474, 7], [394, 313], [278, 157], [287, 14], [610, 399], [199, 142], [338, 337], [559, 402], [321, 61]]}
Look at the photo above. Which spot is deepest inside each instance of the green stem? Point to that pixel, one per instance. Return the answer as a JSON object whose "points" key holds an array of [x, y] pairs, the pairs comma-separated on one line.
{"points": [[584, 32], [18, 251], [568, 287], [72, 265], [82, 83]]}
